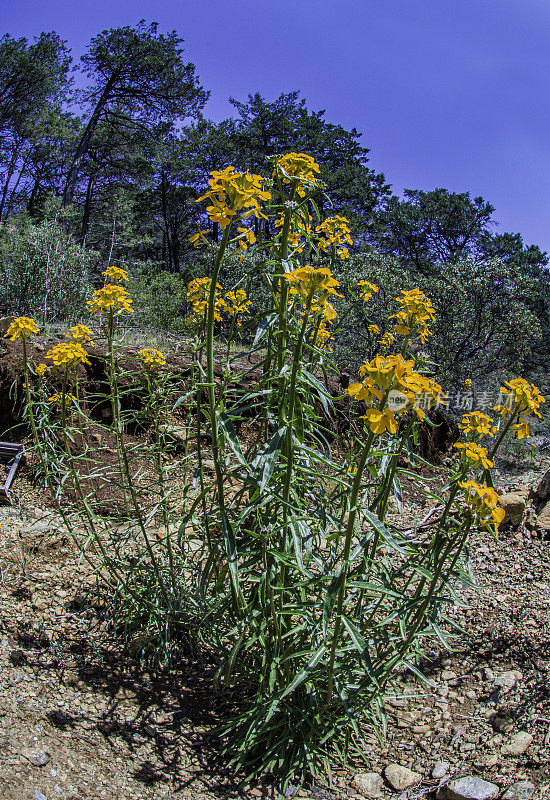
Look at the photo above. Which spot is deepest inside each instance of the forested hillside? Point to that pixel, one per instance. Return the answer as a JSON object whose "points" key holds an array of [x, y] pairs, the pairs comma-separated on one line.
{"points": [[103, 161]]}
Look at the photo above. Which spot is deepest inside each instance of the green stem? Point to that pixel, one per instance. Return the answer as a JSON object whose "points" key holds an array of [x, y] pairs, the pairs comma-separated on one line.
{"points": [[216, 452]]}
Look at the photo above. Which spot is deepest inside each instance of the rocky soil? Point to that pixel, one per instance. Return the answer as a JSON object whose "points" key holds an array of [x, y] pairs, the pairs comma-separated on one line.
{"points": [[80, 721]]}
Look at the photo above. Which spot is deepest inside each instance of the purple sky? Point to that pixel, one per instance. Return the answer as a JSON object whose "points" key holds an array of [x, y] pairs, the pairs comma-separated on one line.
{"points": [[447, 93]]}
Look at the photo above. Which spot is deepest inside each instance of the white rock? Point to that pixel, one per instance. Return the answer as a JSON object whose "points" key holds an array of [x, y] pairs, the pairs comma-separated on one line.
{"points": [[518, 744], [522, 790], [507, 680], [468, 788], [441, 768], [401, 778], [369, 784]]}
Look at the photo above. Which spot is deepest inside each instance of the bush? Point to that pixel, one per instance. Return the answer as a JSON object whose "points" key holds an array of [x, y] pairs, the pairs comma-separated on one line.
{"points": [[484, 324], [43, 272], [160, 300]]}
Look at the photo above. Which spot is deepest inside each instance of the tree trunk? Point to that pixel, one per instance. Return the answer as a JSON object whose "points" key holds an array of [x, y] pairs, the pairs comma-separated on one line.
{"points": [[11, 170], [87, 207], [32, 198], [85, 140], [165, 217]]}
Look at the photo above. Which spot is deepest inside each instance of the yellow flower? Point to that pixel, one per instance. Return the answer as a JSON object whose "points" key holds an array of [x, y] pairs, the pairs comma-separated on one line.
{"points": [[231, 192], [334, 232], [473, 455], [483, 501], [366, 390], [198, 291], [478, 424], [312, 285], [421, 393], [297, 167], [238, 304], [81, 333], [198, 238], [41, 370], [387, 371], [468, 383], [67, 354], [518, 395], [324, 337], [22, 328], [115, 275], [152, 359], [374, 329], [380, 421], [57, 398], [366, 291], [387, 339], [416, 311], [111, 298], [299, 231]]}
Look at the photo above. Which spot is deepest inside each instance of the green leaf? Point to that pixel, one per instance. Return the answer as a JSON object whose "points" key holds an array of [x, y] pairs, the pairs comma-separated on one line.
{"points": [[324, 396], [264, 325], [229, 431], [383, 531]]}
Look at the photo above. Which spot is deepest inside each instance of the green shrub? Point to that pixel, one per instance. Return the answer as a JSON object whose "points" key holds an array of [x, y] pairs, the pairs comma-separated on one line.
{"points": [[43, 273], [160, 300]]}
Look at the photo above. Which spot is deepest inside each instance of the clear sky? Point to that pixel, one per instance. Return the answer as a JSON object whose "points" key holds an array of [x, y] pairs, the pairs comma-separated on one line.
{"points": [[451, 93]]}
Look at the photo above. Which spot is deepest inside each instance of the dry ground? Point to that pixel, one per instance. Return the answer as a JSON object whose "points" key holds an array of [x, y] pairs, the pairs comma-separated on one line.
{"points": [[69, 697]]}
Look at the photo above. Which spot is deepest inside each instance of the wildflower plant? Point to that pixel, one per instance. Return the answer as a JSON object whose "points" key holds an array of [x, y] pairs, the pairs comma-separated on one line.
{"points": [[285, 565]]}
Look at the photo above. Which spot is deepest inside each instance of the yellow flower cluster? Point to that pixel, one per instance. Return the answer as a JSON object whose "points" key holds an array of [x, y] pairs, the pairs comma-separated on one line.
{"points": [[477, 424], [520, 396], [299, 232], [312, 285], [373, 329], [112, 299], [237, 304], [67, 354], [299, 168], [57, 398], [483, 502], [41, 370], [246, 238], [473, 455], [82, 334], [334, 233], [416, 311], [394, 378], [198, 291], [230, 192], [152, 359], [21, 328], [115, 275], [386, 341], [366, 290]]}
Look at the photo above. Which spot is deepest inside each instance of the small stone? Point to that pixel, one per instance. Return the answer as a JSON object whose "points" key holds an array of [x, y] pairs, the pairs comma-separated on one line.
{"points": [[39, 796], [507, 680], [400, 777], [37, 757], [448, 675], [468, 788], [543, 518], [369, 784], [503, 724], [514, 504], [441, 768], [518, 744], [522, 790]]}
